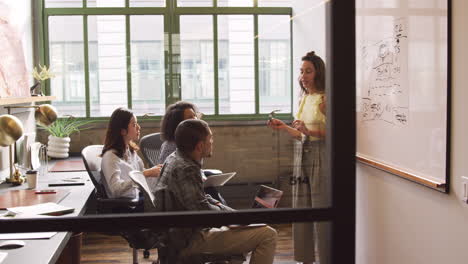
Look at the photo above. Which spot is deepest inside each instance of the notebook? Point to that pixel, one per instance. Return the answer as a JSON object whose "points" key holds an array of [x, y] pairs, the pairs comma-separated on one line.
{"points": [[138, 178], [41, 209], [218, 179], [267, 197]]}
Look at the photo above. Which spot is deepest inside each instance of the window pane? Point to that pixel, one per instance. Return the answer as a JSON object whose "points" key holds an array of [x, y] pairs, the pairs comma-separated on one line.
{"points": [[63, 3], [147, 3], [274, 63], [224, 3], [194, 3], [67, 63], [106, 3], [378, 3], [236, 64], [147, 51], [107, 64], [275, 3], [422, 3], [197, 72]]}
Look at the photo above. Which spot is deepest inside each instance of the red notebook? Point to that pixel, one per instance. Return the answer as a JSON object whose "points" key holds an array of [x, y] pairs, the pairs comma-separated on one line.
{"points": [[16, 198], [68, 165]]}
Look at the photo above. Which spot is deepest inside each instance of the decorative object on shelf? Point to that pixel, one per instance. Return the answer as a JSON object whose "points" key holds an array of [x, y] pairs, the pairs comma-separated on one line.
{"points": [[11, 129], [40, 76], [60, 131]]}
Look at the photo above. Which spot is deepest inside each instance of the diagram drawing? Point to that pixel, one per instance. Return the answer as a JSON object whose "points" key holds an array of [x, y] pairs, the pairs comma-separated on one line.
{"points": [[385, 95]]}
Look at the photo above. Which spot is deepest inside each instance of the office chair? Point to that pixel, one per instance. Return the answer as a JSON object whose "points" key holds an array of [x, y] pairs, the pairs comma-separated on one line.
{"points": [[137, 240], [166, 253], [150, 146], [92, 161]]}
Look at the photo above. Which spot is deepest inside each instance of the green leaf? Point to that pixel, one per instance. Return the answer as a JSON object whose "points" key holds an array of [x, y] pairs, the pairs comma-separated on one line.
{"points": [[64, 127]]}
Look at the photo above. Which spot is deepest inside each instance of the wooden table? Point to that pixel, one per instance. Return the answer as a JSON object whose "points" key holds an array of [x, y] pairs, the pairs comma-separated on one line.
{"points": [[49, 250]]}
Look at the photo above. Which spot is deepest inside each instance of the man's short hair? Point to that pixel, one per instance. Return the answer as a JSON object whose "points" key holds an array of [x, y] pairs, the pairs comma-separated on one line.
{"points": [[189, 132]]}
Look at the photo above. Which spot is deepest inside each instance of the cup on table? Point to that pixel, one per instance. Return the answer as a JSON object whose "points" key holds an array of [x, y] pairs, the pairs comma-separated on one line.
{"points": [[31, 178]]}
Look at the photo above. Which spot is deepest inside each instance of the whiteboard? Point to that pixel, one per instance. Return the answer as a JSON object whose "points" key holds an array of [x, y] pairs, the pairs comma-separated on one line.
{"points": [[402, 88]]}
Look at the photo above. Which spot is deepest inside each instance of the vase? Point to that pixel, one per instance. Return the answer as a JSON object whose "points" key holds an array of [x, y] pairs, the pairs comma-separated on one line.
{"points": [[58, 147]]}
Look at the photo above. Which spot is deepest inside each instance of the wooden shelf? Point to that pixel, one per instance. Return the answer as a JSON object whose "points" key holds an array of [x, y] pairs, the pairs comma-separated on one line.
{"points": [[24, 100]]}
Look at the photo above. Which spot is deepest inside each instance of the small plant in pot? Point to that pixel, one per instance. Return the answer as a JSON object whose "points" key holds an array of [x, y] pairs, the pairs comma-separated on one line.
{"points": [[40, 76], [60, 131]]}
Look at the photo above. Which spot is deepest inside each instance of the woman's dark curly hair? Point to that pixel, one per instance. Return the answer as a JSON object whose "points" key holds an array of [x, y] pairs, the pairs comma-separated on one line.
{"points": [[319, 66], [174, 115]]}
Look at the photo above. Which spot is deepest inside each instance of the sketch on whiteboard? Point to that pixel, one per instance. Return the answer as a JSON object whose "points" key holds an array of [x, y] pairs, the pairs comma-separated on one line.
{"points": [[386, 95]]}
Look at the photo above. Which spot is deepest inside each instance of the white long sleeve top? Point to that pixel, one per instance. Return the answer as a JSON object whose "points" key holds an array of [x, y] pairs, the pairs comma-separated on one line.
{"points": [[116, 174]]}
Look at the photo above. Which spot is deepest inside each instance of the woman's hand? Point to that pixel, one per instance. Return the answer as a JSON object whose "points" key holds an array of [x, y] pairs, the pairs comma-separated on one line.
{"points": [[276, 124], [300, 125], [154, 171]]}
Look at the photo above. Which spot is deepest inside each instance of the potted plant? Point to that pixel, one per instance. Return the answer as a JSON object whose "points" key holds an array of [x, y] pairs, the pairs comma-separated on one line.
{"points": [[60, 131]]}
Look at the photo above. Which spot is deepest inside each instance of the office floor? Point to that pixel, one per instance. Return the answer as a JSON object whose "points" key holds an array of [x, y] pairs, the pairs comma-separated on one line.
{"points": [[99, 248]]}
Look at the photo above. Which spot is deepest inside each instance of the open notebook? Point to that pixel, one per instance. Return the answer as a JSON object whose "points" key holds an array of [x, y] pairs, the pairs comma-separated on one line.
{"points": [[140, 180], [218, 179]]}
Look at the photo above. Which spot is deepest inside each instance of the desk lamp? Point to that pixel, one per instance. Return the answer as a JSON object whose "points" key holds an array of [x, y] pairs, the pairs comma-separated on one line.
{"points": [[11, 129]]}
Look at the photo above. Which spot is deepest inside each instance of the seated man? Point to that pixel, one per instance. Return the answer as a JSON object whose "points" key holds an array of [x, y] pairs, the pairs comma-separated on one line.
{"points": [[182, 185]]}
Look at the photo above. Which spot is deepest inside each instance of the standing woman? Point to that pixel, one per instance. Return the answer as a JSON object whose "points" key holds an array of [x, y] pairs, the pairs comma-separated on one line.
{"points": [[309, 186], [119, 155]]}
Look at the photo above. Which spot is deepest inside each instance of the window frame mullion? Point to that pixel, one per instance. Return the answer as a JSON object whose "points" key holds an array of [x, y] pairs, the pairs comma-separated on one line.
{"points": [[215, 64], [256, 66], [128, 61], [86, 65]]}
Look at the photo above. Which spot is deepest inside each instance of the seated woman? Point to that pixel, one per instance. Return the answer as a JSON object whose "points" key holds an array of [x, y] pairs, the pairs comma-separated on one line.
{"points": [[175, 114], [119, 155]]}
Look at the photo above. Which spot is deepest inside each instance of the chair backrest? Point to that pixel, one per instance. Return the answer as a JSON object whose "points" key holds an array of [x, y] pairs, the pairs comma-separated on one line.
{"points": [[150, 146], [92, 161]]}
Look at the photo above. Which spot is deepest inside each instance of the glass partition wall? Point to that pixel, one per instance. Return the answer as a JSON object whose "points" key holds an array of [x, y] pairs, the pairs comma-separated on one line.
{"points": [[200, 49]]}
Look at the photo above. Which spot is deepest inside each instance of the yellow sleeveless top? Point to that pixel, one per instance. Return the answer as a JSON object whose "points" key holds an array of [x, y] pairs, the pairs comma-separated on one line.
{"points": [[309, 112]]}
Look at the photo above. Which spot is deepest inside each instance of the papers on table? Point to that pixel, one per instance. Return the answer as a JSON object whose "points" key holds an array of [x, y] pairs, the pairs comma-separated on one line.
{"points": [[2, 256], [218, 179], [38, 235], [39, 209]]}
